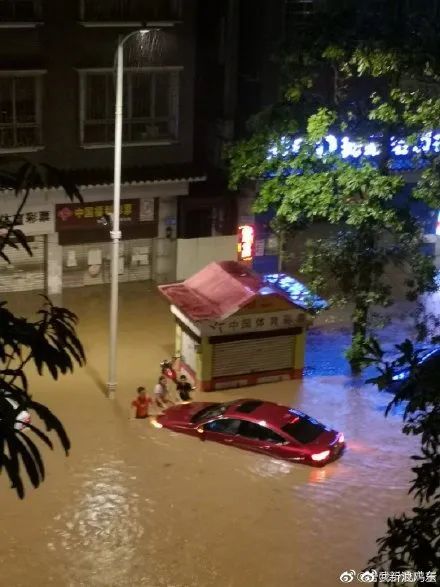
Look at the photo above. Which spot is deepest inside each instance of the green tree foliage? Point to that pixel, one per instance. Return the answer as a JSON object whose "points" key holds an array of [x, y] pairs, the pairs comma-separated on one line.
{"points": [[364, 90], [412, 541], [49, 342]]}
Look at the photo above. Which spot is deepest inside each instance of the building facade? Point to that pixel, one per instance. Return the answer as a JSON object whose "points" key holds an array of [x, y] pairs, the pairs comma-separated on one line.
{"points": [[57, 95]]}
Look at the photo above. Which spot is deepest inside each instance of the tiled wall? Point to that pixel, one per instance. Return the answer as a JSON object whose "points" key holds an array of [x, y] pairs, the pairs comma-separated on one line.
{"points": [[85, 274]]}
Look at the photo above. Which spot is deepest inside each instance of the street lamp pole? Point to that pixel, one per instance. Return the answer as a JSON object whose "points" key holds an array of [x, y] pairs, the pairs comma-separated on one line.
{"points": [[115, 232]]}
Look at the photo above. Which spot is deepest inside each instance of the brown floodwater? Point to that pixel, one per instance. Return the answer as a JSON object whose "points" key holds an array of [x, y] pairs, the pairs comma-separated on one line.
{"points": [[138, 506]]}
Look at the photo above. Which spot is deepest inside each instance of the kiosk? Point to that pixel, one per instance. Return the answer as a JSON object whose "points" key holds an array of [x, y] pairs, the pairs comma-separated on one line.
{"points": [[236, 328]]}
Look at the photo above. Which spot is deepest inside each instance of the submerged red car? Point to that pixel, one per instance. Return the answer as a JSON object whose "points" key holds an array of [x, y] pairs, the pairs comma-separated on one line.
{"points": [[260, 426]]}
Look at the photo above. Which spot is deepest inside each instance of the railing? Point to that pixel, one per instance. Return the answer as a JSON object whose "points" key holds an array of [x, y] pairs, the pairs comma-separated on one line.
{"points": [[19, 136], [130, 10], [298, 13], [136, 130], [19, 10]]}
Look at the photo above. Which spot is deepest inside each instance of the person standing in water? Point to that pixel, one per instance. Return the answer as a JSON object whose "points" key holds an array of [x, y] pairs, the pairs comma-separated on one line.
{"points": [[141, 403], [161, 393], [184, 388]]}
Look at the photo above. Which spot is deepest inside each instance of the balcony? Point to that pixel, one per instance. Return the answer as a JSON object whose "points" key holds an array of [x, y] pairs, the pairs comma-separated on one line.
{"points": [[129, 13], [20, 13]]}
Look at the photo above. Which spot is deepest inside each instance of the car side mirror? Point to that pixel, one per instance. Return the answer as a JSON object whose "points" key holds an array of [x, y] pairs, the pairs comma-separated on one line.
{"points": [[201, 433]]}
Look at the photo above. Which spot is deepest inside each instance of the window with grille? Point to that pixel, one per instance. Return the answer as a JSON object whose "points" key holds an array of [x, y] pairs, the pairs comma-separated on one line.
{"points": [[151, 103], [297, 13], [19, 10], [20, 111], [121, 10]]}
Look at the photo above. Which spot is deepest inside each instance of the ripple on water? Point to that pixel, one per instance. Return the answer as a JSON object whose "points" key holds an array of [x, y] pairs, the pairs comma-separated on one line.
{"points": [[101, 527]]}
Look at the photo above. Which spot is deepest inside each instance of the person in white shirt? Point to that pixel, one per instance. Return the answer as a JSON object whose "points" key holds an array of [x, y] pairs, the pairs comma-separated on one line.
{"points": [[161, 393]]}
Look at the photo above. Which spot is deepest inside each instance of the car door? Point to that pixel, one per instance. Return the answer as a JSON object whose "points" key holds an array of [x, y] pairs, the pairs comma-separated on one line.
{"points": [[222, 430], [257, 437]]}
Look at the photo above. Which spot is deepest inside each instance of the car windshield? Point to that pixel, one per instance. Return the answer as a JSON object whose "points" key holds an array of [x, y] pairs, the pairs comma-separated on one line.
{"points": [[249, 406], [211, 411], [304, 430]]}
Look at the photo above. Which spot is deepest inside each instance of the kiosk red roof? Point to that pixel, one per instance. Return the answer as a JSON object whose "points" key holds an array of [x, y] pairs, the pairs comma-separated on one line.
{"points": [[217, 291]]}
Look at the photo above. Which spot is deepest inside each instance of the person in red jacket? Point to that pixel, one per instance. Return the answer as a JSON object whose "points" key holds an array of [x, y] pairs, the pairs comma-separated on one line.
{"points": [[141, 403]]}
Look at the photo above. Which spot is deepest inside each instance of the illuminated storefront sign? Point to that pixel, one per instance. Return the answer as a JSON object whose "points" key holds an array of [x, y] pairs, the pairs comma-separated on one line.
{"points": [[246, 242], [346, 148], [86, 215]]}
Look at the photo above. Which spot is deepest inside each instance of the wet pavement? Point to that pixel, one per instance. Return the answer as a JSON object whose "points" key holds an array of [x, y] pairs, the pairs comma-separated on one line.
{"points": [[138, 506]]}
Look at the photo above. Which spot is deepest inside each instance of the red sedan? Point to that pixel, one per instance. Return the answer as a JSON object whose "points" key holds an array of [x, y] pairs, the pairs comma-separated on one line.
{"points": [[260, 426]]}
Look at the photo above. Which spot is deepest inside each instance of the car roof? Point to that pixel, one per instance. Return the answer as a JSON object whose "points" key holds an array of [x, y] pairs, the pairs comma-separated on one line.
{"points": [[271, 413], [429, 354]]}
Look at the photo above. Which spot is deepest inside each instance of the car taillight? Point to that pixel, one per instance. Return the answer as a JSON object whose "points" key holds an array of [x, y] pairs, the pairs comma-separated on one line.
{"points": [[320, 456], [341, 437]]}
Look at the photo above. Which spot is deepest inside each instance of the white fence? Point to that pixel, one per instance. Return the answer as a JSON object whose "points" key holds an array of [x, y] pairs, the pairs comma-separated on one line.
{"points": [[195, 253]]}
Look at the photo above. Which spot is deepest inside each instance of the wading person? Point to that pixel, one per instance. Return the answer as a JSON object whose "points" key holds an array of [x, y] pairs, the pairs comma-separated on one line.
{"points": [[141, 403], [184, 388], [161, 393]]}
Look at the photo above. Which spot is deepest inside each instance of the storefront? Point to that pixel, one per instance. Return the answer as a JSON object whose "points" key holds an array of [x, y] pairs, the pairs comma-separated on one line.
{"points": [[83, 233], [71, 243], [148, 221], [236, 328], [27, 272]]}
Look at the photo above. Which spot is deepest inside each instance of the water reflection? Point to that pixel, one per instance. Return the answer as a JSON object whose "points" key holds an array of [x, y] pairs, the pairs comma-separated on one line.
{"points": [[102, 526], [318, 475], [136, 506]]}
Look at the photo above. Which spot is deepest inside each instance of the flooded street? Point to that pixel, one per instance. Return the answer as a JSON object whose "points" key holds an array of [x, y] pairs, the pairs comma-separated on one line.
{"points": [[138, 506]]}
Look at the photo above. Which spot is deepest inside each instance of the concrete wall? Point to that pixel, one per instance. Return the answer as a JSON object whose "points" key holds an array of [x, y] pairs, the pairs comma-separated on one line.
{"points": [[164, 257], [195, 253]]}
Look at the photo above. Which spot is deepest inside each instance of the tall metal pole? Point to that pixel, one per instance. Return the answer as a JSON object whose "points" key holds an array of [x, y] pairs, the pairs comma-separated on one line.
{"points": [[115, 233]]}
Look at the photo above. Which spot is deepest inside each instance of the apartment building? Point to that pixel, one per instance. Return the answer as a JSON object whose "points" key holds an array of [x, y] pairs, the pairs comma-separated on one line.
{"points": [[57, 95], [247, 63]]}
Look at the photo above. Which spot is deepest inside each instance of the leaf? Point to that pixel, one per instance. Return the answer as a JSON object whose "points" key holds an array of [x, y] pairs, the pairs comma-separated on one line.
{"points": [[19, 452], [42, 436], [20, 236], [36, 456], [52, 423], [12, 472]]}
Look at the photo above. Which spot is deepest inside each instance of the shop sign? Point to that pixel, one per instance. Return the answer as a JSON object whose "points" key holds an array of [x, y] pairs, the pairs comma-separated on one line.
{"points": [[241, 324], [31, 221], [86, 215], [345, 147], [246, 242]]}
